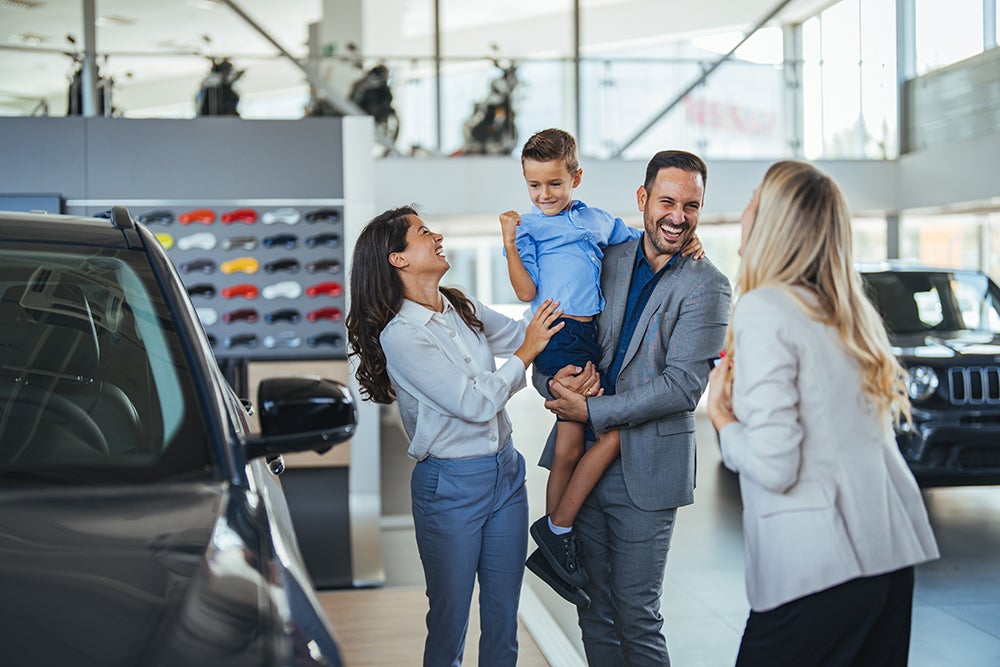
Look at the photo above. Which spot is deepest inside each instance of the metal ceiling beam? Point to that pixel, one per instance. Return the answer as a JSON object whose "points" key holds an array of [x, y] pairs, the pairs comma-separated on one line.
{"points": [[339, 102], [701, 79]]}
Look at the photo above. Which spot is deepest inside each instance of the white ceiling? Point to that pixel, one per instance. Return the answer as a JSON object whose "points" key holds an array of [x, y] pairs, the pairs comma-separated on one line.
{"points": [[143, 38]]}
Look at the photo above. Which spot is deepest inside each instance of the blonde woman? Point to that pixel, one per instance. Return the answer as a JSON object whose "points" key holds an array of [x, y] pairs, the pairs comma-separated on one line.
{"points": [[804, 403]]}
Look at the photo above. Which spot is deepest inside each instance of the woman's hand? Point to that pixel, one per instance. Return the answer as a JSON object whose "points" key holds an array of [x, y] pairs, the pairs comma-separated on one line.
{"points": [[694, 247], [720, 403], [540, 329]]}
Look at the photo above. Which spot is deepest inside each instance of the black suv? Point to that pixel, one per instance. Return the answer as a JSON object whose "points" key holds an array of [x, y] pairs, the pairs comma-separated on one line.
{"points": [[141, 524], [944, 325]]}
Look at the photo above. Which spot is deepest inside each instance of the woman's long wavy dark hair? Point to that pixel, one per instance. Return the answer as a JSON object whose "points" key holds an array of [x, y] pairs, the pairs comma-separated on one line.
{"points": [[377, 295]]}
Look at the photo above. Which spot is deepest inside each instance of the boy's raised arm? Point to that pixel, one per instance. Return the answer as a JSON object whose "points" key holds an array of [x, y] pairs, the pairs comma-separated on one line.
{"points": [[520, 279]]}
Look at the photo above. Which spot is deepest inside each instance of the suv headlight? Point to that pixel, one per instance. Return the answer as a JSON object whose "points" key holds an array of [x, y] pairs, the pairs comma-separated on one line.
{"points": [[922, 382]]}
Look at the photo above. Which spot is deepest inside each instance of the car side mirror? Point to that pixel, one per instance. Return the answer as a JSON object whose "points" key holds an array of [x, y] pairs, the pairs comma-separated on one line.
{"points": [[299, 414]]}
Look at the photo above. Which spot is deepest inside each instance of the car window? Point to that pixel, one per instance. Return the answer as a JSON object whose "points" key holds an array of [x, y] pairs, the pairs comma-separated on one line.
{"points": [[95, 385], [939, 301], [929, 308], [977, 304]]}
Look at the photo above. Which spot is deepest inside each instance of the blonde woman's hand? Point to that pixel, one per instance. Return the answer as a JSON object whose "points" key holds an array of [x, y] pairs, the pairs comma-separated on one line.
{"points": [[720, 404], [695, 248], [539, 331]]}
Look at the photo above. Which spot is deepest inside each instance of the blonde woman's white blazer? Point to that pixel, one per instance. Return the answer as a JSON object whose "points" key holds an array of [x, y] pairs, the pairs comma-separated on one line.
{"points": [[827, 497]]}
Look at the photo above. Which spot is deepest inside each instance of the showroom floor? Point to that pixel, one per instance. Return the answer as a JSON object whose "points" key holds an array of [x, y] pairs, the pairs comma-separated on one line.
{"points": [[957, 602]]}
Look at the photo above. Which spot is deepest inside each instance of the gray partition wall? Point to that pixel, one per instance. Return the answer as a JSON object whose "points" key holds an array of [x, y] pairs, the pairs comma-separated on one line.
{"points": [[200, 158], [960, 102], [239, 185]]}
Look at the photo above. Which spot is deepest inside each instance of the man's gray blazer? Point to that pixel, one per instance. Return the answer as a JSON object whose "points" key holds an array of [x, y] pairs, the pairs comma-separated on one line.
{"points": [[664, 373]]}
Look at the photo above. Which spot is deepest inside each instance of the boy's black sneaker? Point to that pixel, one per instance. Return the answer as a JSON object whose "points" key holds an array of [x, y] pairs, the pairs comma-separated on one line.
{"points": [[536, 563], [560, 551]]}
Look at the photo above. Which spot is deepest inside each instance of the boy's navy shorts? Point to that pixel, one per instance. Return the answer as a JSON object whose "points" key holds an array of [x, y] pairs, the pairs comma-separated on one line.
{"points": [[576, 344]]}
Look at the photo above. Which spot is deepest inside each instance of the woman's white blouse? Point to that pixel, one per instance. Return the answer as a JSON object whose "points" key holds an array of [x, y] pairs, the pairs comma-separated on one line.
{"points": [[451, 395]]}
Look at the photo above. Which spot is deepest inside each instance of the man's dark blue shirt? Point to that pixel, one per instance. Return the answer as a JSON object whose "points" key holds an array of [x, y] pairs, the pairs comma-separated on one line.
{"points": [[643, 283]]}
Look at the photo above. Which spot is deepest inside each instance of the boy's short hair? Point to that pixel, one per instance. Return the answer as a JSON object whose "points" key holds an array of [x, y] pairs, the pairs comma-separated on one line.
{"points": [[552, 144]]}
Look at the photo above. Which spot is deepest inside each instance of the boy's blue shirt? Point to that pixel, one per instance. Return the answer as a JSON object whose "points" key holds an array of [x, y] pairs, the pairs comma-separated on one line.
{"points": [[563, 253]]}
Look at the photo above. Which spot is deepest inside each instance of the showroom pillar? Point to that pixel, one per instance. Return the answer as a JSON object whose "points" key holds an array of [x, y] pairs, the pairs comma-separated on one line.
{"points": [[89, 79], [985, 237], [892, 235], [340, 26], [792, 71]]}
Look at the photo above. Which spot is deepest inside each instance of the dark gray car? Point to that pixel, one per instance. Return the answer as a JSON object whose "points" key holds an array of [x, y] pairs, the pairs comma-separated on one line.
{"points": [[140, 523], [944, 325]]}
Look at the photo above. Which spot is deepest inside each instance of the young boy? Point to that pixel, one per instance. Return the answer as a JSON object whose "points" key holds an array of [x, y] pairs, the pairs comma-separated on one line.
{"points": [[555, 251]]}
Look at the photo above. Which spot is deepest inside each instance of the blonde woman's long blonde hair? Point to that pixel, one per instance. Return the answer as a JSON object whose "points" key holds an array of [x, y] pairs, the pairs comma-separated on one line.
{"points": [[801, 238]]}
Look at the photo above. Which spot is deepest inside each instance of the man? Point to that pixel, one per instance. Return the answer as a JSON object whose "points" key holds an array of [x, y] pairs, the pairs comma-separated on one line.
{"points": [[663, 324]]}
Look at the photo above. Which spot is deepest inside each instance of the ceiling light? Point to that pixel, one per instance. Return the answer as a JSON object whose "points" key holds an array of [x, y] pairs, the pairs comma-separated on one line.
{"points": [[199, 4], [25, 39], [21, 4], [113, 20]]}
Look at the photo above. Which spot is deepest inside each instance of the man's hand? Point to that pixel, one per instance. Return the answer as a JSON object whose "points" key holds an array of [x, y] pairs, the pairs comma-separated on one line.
{"points": [[571, 386], [586, 380]]}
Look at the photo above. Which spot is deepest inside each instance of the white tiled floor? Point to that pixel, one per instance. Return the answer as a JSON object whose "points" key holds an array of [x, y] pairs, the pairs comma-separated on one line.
{"points": [[957, 603]]}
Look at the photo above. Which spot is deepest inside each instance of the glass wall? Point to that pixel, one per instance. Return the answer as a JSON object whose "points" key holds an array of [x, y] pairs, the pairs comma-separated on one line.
{"points": [[942, 240], [618, 81], [870, 237], [848, 87], [722, 243], [624, 75], [415, 96], [735, 113], [947, 32], [478, 267], [990, 244], [849, 82], [626, 87]]}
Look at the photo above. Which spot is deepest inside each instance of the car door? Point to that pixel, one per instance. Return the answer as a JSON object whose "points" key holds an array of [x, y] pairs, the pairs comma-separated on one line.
{"points": [[304, 611]]}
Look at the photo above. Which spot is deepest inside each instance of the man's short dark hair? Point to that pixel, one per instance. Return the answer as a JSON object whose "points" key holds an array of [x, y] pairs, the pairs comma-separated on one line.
{"points": [[679, 159]]}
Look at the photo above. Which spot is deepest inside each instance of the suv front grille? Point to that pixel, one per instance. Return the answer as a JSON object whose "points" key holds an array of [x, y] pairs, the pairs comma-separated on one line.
{"points": [[974, 385], [978, 458]]}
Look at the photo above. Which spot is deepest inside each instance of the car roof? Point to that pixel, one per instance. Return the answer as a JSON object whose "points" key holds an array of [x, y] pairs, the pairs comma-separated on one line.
{"points": [[52, 227]]}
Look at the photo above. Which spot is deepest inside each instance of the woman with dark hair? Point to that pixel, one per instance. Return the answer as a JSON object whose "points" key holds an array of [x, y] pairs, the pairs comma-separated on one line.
{"points": [[432, 348]]}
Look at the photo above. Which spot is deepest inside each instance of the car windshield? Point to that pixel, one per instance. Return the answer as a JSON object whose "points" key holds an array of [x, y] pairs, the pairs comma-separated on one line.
{"points": [[923, 301], [95, 386]]}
